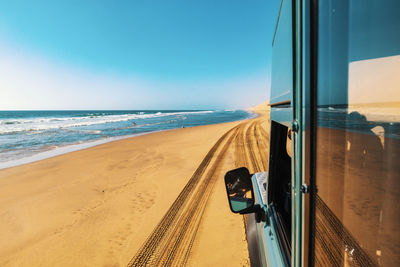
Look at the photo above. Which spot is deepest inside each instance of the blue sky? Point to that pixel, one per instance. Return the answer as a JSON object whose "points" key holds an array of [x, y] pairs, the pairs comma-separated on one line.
{"points": [[135, 54]]}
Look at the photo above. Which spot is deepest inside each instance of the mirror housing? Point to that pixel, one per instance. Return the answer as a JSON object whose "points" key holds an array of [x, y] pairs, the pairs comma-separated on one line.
{"points": [[239, 189]]}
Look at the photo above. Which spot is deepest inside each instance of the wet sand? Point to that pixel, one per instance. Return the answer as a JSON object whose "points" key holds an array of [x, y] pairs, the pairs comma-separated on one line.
{"points": [[98, 206]]}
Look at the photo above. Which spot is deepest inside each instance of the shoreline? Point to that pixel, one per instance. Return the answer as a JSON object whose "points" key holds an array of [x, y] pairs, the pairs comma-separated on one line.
{"points": [[97, 206], [62, 150]]}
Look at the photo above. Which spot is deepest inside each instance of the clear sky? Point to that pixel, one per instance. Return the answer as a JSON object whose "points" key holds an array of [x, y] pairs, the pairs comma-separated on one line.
{"points": [[138, 54]]}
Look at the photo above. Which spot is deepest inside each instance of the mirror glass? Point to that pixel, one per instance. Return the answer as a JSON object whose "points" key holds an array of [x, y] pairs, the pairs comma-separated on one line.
{"points": [[239, 189]]}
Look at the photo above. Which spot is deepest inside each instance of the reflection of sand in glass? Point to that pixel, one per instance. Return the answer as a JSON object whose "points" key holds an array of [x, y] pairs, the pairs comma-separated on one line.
{"points": [[371, 183], [358, 174], [374, 88], [358, 135], [358, 179]]}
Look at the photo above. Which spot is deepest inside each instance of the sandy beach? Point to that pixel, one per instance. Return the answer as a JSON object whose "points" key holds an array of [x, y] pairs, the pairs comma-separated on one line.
{"points": [[153, 196]]}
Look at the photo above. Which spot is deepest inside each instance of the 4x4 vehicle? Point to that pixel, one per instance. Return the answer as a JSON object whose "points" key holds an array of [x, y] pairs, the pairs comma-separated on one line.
{"points": [[335, 93]]}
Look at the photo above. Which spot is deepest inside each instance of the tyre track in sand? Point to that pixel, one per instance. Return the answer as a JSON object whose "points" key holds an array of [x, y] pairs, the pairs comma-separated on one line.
{"points": [[251, 147], [250, 144], [240, 151], [149, 253], [177, 251], [262, 140], [171, 241]]}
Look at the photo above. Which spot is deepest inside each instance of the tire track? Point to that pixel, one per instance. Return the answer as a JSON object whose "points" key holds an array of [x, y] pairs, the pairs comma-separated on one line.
{"points": [[251, 147], [262, 144], [148, 252], [171, 241], [247, 157], [249, 135], [194, 213], [240, 160]]}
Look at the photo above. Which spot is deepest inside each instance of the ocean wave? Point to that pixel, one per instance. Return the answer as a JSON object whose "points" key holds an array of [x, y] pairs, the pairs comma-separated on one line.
{"points": [[10, 126]]}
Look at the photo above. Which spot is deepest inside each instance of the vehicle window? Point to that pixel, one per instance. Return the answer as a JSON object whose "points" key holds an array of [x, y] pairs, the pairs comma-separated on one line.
{"points": [[279, 183], [357, 211]]}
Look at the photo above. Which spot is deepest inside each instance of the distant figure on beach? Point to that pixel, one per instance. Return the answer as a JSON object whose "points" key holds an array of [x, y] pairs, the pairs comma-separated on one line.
{"points": [[134, 123]]}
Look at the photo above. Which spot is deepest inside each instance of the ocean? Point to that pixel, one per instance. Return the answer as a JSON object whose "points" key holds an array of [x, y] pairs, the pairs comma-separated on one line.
{"points": [[379, 121], [27, 136]]}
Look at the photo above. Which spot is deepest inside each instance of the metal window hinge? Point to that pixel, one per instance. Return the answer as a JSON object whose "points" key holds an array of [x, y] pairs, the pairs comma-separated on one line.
{"points": [[295, 126], [305, 189]]}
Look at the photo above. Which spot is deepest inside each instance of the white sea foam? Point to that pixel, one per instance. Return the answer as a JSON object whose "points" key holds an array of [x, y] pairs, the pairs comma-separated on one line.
{"points": [[34, 126], [56, 151], [37, 124]]}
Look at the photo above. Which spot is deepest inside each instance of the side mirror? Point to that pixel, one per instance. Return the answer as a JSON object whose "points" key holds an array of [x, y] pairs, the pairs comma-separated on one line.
{"points": [[240, 190]]}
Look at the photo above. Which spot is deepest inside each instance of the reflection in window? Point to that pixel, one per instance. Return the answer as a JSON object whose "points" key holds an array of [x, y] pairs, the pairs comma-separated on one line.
{"points": [[357, 217]]}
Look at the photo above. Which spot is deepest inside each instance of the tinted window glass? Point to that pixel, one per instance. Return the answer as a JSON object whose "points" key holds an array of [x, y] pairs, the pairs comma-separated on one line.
{"points": [[282, 56], [357, 215]]}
